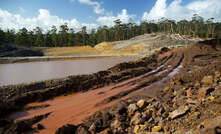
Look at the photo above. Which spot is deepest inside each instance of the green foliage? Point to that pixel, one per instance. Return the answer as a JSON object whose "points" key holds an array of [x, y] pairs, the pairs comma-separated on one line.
{"points": [[65, 36]]}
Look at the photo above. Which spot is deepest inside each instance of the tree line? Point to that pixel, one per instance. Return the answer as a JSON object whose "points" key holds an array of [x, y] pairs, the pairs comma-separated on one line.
{"points": [[65, 36]]}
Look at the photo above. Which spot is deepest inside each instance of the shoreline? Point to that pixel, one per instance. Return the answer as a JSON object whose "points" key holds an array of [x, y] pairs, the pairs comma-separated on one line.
{"points": [[11, 60]]}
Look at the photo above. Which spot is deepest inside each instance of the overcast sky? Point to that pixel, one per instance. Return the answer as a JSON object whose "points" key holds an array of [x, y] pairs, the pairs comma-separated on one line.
{"points": [[93, 13]]}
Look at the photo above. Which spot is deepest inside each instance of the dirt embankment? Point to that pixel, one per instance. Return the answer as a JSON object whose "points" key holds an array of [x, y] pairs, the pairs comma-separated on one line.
{"points": [[190, 103]]}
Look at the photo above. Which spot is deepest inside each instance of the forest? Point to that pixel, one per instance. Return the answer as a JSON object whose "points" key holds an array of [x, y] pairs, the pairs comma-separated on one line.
{"points": [[64, 36]]}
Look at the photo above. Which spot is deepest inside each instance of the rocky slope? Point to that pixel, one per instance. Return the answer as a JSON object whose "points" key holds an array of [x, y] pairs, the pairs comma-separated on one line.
{"points": [[190, 103]]}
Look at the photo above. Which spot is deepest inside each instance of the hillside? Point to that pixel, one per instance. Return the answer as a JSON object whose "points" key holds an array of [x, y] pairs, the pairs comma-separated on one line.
{"points": [[141, 45]]}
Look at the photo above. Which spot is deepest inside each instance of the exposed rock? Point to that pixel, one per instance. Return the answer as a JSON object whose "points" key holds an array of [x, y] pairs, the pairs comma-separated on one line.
{"points": [[189, 92], [141, 103], [82, 130], [156, 129], [167, 88], [120, 108], [210, 126], [136, 129], [40, 127], [207, 80], [115, 124], [211, 98], [136, 119], [18, 128], [204, 91], [131, 109], [179, 112], [106, 131], [92, 128], [66, 129], [217, 74], [197, 84]]}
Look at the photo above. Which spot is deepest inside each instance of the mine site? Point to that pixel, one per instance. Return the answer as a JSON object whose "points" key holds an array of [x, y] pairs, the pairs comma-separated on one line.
{"points": [[117, 74]]}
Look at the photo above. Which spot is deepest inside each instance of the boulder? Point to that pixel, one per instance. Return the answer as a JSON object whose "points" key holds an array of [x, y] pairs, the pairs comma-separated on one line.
{"points": [[167, 88], [106, 131], [182, 110], [18, 127], [156, 129], [207, 80], [66, 129], [141, 103], [136, 119], [82, 130], [40, 127], [132, 108], [217, 74], [204, 91], [189, 93]]}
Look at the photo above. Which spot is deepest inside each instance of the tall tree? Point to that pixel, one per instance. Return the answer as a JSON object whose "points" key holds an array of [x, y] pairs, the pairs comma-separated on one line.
{"points": [[39, 41], [71, 37], [63, 35], [21, 37], [54, 38], [84, 35]]}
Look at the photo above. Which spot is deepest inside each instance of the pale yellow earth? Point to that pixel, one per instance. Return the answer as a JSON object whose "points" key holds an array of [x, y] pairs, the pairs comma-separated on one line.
{"points": [[141, 45]]}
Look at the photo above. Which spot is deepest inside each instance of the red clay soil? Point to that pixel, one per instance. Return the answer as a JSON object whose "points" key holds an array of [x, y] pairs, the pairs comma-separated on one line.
{"points": [[72, 109]]}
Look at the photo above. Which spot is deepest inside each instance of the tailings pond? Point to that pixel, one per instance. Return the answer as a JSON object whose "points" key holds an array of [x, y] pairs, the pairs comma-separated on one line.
{"points": [[17, 73]]}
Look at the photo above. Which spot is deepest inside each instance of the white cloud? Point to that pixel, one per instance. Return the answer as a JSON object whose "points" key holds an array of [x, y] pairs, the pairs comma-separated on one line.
{"points": [[44, 20], [177, 11], [109, 20], [96, 6]]}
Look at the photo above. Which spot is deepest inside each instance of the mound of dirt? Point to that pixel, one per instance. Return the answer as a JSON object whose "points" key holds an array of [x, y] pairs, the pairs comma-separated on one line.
{"points": [[145, 44]]}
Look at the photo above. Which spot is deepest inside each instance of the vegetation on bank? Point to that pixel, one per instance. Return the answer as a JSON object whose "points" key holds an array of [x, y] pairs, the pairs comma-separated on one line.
{"points": [[65, 36]]}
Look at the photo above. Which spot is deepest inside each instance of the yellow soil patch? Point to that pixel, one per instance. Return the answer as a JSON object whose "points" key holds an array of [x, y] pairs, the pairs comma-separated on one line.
{"points": [[104, 46], [68, 51], [133, 49]]}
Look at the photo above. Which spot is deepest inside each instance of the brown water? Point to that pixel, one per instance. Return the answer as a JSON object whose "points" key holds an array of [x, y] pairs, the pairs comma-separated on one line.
{"points": [[36, 71]]}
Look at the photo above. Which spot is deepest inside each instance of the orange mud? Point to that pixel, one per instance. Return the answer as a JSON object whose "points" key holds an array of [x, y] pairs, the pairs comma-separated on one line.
{"points": [[72, 109]]}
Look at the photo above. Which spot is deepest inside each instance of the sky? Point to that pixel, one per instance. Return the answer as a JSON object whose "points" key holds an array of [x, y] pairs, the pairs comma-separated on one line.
{"points": [[15, 14]]}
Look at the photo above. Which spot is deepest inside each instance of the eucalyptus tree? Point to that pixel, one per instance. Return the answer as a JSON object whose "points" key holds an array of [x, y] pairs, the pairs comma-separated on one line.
{"points": [[21, 37], [39, 39], [197, 22], [71, 37], [84, 35], [54, 37], [210, 27], [63, 35]]}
